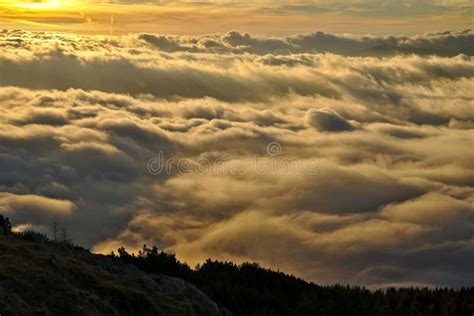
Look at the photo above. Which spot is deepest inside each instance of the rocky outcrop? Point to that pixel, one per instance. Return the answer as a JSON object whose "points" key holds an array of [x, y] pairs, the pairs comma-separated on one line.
{"points": [[44, 279]]}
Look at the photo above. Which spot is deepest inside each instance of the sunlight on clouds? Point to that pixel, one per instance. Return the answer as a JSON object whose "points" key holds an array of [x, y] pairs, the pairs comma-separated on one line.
{"points": [[388, 118], [41, 5], [191, 18]]}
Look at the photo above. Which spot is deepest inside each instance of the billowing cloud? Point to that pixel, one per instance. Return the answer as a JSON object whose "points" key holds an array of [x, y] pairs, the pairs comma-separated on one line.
{"points": [[302, 153], [327, 120], [29, 207]]}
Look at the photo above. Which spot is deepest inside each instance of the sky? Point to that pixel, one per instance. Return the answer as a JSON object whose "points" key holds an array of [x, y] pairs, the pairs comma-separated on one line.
{"points": [[330, 140], [275, 18]]}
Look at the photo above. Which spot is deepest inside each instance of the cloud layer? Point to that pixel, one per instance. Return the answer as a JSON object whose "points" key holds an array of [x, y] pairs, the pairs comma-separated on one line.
{"points": [[388, 121]]}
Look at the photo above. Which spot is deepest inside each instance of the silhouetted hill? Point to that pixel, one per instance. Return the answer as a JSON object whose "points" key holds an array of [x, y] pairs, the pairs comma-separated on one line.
{"points": [[249, 289], [40, 277]]}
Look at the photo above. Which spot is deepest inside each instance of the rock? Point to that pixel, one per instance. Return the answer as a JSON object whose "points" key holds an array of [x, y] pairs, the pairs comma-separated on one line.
{"points": [[148, 282], [170, 284], [130, 269], [131, 272], [211, 305]]}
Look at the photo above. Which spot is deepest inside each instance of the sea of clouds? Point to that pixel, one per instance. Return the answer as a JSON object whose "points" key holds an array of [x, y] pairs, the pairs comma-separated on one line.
{"points": [[389, 121]]}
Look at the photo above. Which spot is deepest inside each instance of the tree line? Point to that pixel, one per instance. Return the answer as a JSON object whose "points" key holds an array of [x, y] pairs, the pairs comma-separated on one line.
{"points": [[248, 289]]}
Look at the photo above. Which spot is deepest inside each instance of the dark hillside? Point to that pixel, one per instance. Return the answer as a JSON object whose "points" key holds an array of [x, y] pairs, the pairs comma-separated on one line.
{"points": [[41, 277], [249, 289], [38, 277]]}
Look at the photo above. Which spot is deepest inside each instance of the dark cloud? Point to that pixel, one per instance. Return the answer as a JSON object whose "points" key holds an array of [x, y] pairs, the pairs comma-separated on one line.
{"points": [[327, 120], [43, 117]]}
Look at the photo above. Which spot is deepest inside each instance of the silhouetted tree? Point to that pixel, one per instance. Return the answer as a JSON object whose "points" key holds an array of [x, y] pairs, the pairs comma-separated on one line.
{"points": [[64, 235], [249, 289], [54, 230]]}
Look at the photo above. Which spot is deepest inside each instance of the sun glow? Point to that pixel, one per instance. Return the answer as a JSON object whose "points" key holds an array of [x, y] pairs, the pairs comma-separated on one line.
{"points": [[38, 5]]}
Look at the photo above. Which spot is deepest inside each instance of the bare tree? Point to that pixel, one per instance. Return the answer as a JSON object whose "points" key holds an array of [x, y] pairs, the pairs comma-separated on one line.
{"points": [[64, 235], [54, 229]]}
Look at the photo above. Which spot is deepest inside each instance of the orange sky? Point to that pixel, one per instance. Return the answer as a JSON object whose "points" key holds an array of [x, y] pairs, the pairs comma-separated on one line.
{"points": [[273, 18]]}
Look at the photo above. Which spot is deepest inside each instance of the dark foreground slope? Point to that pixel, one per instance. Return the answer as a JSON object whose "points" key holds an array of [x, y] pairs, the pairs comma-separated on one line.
{"points": [[42, 278], [39, 277], [249, 289]]}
